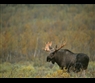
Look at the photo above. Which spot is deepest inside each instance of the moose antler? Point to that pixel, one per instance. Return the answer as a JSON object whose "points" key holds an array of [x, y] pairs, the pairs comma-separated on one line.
{"points": [[61, 46], [48, 46]]}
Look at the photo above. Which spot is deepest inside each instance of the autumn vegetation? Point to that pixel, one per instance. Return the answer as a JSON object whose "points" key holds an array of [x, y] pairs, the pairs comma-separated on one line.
{"points": [[25, 28]]}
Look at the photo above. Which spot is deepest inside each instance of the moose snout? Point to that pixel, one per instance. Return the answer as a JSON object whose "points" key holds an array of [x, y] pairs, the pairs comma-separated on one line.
{"points": [[48, 59]]}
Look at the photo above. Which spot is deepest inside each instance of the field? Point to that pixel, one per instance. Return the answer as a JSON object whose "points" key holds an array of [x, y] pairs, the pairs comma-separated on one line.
{"points": [[31, 69], [25, 28]]}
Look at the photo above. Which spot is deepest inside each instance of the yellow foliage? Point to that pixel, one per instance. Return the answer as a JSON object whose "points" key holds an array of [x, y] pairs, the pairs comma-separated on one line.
{"points": [[27, 68], [58, 74]]}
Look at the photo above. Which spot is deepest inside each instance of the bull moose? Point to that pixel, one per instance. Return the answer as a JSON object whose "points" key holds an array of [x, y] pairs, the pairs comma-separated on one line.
{"points": [[66, 58]]}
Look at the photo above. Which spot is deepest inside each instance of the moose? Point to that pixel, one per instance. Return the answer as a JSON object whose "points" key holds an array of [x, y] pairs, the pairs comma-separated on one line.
{"points": [[66, 59]]}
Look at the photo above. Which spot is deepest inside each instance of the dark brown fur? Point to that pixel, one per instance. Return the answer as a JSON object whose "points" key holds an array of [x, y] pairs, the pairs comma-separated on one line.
{"points": [[67, 59]]}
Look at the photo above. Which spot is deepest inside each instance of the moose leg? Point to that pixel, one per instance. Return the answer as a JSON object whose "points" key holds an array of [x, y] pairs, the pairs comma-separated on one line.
{"points": [[68, 69]]}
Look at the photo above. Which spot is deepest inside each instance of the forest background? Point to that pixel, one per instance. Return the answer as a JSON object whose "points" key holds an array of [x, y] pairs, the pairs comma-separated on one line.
{"points": [[25, 28]]}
